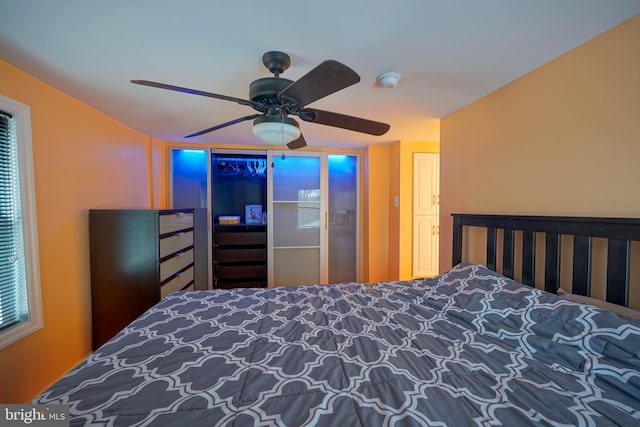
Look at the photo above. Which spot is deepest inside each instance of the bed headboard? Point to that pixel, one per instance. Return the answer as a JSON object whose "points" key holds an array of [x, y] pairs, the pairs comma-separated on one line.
{"points": [[618, 232]]}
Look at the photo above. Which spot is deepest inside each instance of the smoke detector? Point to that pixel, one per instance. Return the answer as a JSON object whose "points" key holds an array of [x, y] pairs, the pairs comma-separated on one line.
{"points": [[388, 80]]}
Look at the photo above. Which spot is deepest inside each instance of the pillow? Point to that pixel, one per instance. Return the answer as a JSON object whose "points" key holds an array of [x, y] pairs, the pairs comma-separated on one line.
{"points": [[614, 308]]}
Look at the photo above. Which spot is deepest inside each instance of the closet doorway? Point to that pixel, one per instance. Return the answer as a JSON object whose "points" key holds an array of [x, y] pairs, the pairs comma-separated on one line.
{"points": [[306, 203]]}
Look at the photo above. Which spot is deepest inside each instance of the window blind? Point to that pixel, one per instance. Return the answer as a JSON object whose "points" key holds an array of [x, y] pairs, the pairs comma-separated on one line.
{"points": [[13, 281]]}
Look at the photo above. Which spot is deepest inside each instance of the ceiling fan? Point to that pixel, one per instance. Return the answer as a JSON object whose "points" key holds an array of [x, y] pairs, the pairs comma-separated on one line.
{"points": [[276, 98]]}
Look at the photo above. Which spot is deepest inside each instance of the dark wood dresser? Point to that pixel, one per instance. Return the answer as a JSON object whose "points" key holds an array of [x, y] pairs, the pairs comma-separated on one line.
{"points": [[240, 256], [138, 257]]}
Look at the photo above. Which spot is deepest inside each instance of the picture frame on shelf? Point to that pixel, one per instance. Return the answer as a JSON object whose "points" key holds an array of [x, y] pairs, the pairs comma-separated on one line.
{"points": [[253, 214]]}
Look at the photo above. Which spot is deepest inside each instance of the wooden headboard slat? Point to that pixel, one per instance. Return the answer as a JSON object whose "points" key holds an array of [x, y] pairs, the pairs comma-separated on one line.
{"points": [[529, 258], [492, 248], [552, 263], [507, 253], [582, 259], [618, 271]]}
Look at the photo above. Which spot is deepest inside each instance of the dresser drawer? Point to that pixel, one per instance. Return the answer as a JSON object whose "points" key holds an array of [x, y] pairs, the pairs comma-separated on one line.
{"points": [[177, 283], [174, 243], [230, 254], [240, 271], [242, 238], [175, 221], [175, 264]]}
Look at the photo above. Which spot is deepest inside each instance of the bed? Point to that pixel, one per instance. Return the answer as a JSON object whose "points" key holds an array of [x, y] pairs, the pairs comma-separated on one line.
{"points": [[469, 347]]}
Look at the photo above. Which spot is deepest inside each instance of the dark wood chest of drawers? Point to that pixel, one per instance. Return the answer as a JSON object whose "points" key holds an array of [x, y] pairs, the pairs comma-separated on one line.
{"points": [[239, 256], [138, 257]]}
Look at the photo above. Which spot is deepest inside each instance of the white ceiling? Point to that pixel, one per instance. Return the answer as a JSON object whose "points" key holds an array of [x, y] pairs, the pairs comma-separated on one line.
{"points": [[449, 53]]}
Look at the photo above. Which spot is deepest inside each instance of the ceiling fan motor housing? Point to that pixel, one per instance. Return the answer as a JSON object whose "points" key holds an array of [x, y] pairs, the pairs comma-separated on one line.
{"points": [[264, 90]]}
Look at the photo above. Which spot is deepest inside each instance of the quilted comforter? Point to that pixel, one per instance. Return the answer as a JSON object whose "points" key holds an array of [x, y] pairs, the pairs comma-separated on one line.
{"points": [[469, 347]]}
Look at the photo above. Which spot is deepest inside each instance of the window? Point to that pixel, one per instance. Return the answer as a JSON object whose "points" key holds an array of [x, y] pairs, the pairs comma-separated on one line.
{"points": [[20, 307]]}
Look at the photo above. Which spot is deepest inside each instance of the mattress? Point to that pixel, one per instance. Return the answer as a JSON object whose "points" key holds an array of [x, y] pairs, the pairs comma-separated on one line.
{"points": [[469, 347]]}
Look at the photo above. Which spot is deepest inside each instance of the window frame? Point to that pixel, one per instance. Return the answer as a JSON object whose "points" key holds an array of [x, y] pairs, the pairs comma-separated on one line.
{"points": [[22, 126]]}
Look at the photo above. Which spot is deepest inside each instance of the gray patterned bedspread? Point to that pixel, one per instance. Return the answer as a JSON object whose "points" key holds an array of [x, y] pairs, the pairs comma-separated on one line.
{"points": [[469, 347]]}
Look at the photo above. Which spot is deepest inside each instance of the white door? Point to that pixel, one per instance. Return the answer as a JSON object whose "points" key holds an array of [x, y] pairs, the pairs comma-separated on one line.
{"points": [[426, 209], [425, 245], [426, 183]]}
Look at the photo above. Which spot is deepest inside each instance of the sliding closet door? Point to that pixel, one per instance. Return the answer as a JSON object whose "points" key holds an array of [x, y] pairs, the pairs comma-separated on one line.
{"points": [[343, 218], [188, 171], [295, 220], [189, 177]]}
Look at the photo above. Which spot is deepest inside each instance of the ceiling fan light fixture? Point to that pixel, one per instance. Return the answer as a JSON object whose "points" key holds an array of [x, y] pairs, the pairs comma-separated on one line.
{"points": [[276, 130], [275, 97]]}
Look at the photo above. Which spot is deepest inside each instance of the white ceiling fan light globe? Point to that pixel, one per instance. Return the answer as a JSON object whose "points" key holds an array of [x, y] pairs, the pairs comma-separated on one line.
{"points": [[276, 133], [276, 130]]}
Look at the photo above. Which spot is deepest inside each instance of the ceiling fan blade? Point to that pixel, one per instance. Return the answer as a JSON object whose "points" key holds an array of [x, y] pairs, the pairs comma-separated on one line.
{"points": [[224, 125], [297, 143], [343, 121], [240, 101], [327, 78]]}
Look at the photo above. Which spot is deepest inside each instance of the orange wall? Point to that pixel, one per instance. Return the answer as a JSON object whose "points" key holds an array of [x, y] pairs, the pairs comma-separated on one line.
{"points": [[375, 245], [563, 139], [83, 159]]}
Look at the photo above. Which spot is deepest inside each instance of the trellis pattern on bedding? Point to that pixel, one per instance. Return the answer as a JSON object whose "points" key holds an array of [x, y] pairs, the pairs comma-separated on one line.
{"points": [[470, 347]]}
